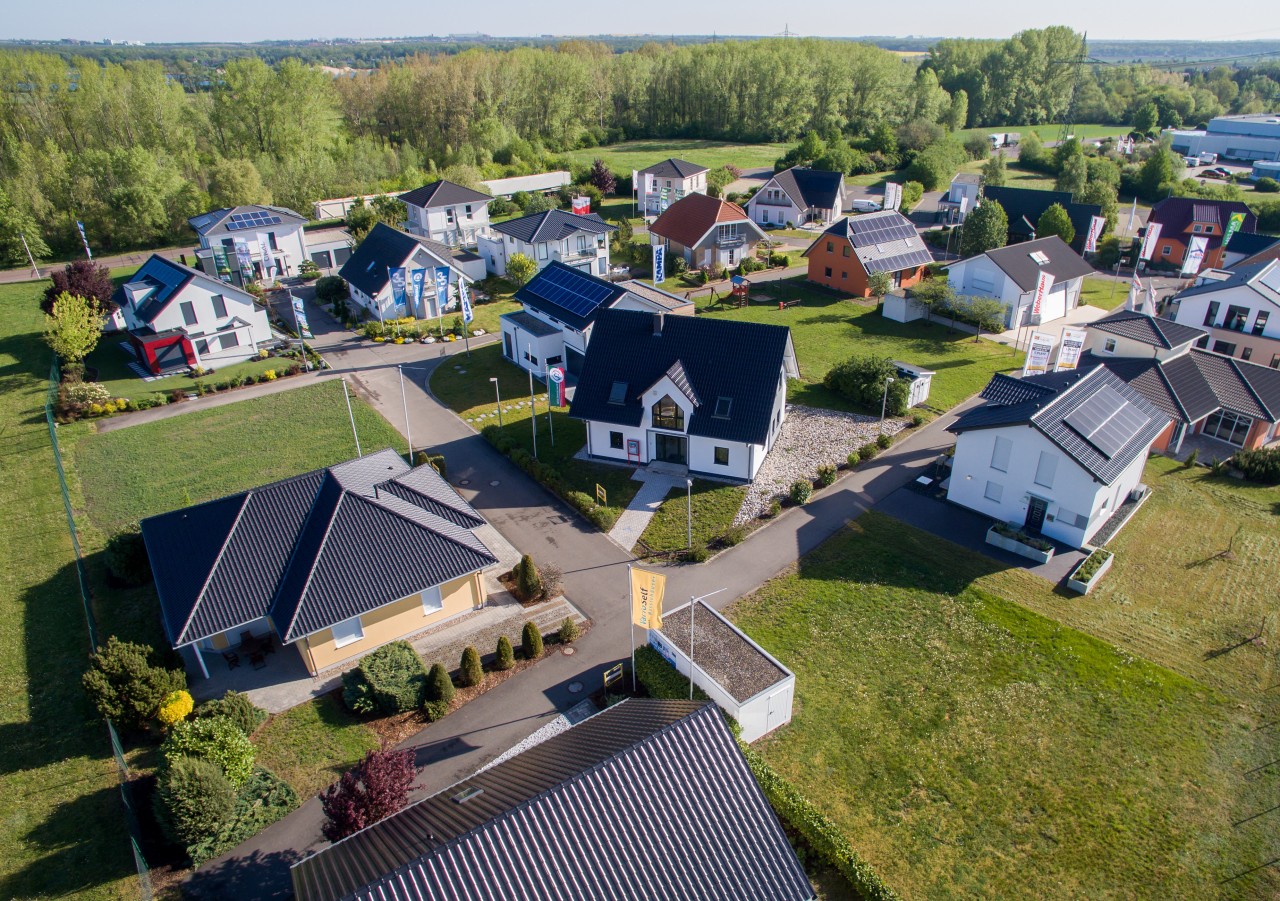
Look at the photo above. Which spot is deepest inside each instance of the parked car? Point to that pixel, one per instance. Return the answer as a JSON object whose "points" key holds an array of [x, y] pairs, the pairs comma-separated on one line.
{"points": [[864, 205], [1216, 172]]}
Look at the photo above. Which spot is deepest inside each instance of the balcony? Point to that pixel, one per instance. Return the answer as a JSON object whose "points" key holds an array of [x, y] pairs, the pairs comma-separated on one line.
{"points": [[734, 240]]}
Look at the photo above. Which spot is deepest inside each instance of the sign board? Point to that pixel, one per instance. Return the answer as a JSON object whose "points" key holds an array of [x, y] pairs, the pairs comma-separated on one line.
{"points": [[659, 263], [892, 195], [613, 675], [602, 496], [633, 449], [1195, 255], [300, 317], [1149, 241], [1069, 352], [1096, 224], [581, 206], [1038, 353], [1044, 285], [555, 387]]}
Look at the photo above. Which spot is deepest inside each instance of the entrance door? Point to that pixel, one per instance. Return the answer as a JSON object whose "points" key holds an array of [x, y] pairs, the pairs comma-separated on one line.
{"points": [[1228, 427], [1035, 513], [506, 346], [670, 448]]}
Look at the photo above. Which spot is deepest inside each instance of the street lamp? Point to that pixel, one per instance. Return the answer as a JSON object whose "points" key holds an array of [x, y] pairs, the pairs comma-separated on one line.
{"points": [[884, 402], [498, 395], [688, 485]]}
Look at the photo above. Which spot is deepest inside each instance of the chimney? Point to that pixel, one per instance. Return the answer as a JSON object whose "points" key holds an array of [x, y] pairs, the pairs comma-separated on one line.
{"points": [[657, 324]]}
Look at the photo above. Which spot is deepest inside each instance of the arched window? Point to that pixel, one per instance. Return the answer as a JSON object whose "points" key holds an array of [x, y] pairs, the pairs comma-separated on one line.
{"points": [[668, 415]]}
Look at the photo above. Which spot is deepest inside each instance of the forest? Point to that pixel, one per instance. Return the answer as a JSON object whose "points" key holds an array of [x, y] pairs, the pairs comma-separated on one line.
{"points": [[131, 149]]}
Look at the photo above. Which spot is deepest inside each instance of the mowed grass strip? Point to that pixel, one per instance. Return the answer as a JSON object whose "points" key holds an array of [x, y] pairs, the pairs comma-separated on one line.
{"points": [[971, 748], [1104, 293], [313, 744], [62, 827], [714, 506], [628, 155]]}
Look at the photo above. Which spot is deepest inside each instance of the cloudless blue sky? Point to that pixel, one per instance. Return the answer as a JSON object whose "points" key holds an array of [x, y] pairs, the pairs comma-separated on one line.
{"points": [[242, 20]]}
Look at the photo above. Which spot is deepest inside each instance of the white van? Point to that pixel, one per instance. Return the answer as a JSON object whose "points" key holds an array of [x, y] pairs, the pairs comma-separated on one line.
{"points": [[1207, 159]]}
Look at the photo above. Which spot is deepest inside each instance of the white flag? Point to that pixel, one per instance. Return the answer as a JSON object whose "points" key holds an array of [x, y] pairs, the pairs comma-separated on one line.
{"points": [[1195, 255], [1096, 225], [1044, 285], [1149, 241]]}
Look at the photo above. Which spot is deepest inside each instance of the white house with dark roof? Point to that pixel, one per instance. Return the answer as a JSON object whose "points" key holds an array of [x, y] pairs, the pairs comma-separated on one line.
{"points": [[1010, 275], [670, 180], [1054, 454], [798, 195], [220, 229], [180, 318], [447, 213], [367, 272], [554, 236], [1241, 312]]}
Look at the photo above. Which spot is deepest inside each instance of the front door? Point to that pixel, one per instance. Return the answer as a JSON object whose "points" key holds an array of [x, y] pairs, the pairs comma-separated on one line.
{"points": [[1035, 514], [506, 346], [670, 448]]}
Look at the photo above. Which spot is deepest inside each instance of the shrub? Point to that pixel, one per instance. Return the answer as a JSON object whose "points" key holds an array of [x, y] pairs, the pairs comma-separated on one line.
{"points": [[396, 677], [176, 707], [269, 375], [801, 491], [734, 537], [862, 379], [505, 658], [86, 393], [660, 679], [854, 458], [696, 555], [1261, 465], [126, 557], [472, 672], [826, 476], [1266, 186], [436, 462], [192, 800], [372, 790], [775, 507], [527, 579], [917, 419], [866, 452], [531, 641], [332, 289], [125, 686], [1089, 567], [883, 441], [237, 708], [177, 396], [357, 694], [264, 799], [215, 739], [569, 631], [439, 693]]}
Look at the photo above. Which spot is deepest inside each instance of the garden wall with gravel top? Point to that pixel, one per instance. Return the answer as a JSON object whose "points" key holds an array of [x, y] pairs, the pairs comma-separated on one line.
{"points": [[721, 653]]}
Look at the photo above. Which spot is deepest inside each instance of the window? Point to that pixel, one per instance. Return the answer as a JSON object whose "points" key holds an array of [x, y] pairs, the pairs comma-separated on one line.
{"points": [[1197, 228], [615, 440], [722, 456], [828, 271], [1246, 354], [533, 361], [432, 601], [668, 415], [1236, 318], [1045, 469], [1225, 348], [844, 251], [1208, 229], [1166, 250], [1211, 314], [467, 210], [551, 361], [830, 249], [993, 492], [1000, 454], [448, 215], [723, 406], [844, 274], [220, 307], [1260, 322], [618, 393], [202, 346], [542, 251], [271, 240], [347, 632], [1109, 346], [764, 216], [229, 341], [188, 312]]}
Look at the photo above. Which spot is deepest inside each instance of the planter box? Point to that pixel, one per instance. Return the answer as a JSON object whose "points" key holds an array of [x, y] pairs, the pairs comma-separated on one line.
{"points": [[1017, 547], [1085, 587]]}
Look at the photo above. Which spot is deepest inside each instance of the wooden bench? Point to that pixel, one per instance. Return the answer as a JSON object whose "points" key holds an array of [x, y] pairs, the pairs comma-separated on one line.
{"points": [[783, 304]]}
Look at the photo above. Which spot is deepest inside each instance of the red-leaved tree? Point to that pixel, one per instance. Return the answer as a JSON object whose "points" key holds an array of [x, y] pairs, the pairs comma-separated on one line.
{"points": [[83, 278], [372, 790], [602, 177]]}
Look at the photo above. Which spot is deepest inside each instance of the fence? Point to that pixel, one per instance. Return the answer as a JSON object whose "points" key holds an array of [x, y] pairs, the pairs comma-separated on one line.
{"points": [[117, 750]]}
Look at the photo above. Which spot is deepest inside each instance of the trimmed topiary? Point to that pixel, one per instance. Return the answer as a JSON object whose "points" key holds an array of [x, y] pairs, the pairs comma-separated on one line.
{"points": [[569, 630], [506, 655], [472, 671], [439, 692], [528, 580], [193, 799], [531, 641], [396, 677]]}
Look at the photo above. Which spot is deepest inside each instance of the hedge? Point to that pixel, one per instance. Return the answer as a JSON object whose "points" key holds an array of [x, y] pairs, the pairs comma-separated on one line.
{"points": [[603, 518], [264, 799], [660, 679], [395, 676]]}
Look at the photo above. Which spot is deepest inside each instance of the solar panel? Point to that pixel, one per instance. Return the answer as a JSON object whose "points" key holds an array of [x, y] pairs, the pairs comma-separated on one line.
{"points": [[255, 219], [1107, 421], [572, 291], [880, 229], [900, 261]]}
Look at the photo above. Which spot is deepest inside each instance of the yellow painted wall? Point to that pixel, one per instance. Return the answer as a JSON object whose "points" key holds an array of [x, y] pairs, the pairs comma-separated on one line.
{"points": [[391, 621]]}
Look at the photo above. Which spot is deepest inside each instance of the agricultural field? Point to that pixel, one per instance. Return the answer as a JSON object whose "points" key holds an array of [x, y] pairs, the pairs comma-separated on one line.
{"points": [[629, 155]]}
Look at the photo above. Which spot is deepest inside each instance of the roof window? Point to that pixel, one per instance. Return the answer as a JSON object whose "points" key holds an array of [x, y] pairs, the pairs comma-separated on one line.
{"points": [[1039, 257], [467, 794], [618, 393], [723, 405]]}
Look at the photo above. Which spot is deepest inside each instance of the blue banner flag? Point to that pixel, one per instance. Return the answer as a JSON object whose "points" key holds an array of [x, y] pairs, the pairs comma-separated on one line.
{"points": [[398, 295], [84, 240], [442, 288], [417, 281], [659, 263], [466, 301]]}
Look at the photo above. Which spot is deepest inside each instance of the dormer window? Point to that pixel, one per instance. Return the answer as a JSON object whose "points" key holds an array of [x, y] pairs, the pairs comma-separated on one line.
{"points": [[723, 406], [618, 393], [668, 415]]}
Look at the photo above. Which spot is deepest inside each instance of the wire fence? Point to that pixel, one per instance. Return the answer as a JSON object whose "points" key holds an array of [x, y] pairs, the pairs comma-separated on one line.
{"points": [[117, 749]]}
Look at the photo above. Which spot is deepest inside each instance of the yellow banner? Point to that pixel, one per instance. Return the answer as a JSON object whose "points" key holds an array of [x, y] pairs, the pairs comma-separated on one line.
{"points": [[647, 590]]}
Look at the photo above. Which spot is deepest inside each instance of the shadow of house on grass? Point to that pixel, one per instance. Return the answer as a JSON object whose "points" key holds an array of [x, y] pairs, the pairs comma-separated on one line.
{"points": [[262, 876]]}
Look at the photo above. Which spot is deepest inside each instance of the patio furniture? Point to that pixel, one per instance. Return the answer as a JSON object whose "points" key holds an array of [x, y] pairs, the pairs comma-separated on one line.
{"points": [[232, 658], [258, 659], [268, 644]]}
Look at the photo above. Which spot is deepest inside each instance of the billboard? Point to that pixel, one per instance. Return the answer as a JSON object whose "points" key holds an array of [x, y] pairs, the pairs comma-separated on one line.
{"points": [[1072, 347], [1039, 351], [1044, 285]]}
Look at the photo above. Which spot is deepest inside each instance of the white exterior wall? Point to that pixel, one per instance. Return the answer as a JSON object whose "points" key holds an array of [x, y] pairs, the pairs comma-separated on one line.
{"points": [[1192, 310], [523, 342], [1097, 342], [777, 211], [291, 241], [979, 277], [598, 441], [433, 222], [200, 293], [498, 248], [651, 204]]}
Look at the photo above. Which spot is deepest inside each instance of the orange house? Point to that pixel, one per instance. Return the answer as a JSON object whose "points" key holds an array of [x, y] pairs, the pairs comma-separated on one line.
{"points": [[850, 250], [1184, 218]]}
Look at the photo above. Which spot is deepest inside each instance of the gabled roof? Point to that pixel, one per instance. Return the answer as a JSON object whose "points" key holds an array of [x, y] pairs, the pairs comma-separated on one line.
{"points": [[1263, 278], [553, 225], [1244, 388], [244, 220], [443, 193], [1251, 243], [382, 249], [568, 294], [1015, 261], [1176, 215], [810, 188], [673, 168], [1030, 204], [719, 357], [689, 219], [682, 817], [654, 295], [165, 280], [884, 241], [1162, 333], [1175, 385], [1095, 417], [312, 550]]}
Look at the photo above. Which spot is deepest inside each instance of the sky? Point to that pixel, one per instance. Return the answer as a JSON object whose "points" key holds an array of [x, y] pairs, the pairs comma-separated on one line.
{"points": [[252, 20]]}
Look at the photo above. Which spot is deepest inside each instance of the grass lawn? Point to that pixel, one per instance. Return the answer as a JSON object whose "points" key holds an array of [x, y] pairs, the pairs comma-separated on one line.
{"points": [[971, 748], [827, 330], [714, 507], [62, 833], [112, 363], [313, 744], [1015, 177], [1048, 132], [628, 155], [1105, 293], [463, 386]]}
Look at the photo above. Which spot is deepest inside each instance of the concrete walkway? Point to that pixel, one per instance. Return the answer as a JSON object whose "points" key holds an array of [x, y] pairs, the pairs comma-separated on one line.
{"points": [[1080, 317], [635, 519]]}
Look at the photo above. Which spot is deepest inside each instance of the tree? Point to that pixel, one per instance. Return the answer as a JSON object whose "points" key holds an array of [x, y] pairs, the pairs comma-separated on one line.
{"points": [[390, 210], [912, 192], [16, 224], [1146, 119], [935, 166], [1032, 155], [720, 178], [1073, 175], [371, 791], [527, 579], [236, 182], [126, 557], [472, 671], [1104, 195], [83, 278], [540, 203], [1156, 174], [602, 177], [520, 268], [73, 328], [360, 220], [879, 283], [986, 313], [531, 641], [505, 658], [986, 228], [994, 171], [125, 686], [934, 294], [439, 692], [192, 800], [958, 114], [1055, 221]]}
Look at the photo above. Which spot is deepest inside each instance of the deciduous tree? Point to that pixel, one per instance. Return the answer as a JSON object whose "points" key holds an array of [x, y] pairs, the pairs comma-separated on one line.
{"points": [[1055, 221], [371, 791], [986, 228], [602, 177], [73, 328], [83, 278], [520, 268]]}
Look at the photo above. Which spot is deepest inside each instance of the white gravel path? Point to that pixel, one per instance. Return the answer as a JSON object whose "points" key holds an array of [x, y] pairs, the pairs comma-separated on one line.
{"points": [[810, 438]]}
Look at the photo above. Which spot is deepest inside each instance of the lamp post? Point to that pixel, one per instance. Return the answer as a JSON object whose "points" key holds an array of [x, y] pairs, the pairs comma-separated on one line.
{"points": [[688, 485], [884, 402], [498, 394]]}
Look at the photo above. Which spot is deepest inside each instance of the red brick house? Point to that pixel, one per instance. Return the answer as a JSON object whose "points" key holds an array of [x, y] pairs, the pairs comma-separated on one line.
{"points": [[1182, 218], [846, 253]]}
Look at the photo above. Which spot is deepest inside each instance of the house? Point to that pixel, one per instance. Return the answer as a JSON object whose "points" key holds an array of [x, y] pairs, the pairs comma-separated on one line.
{"points": [[447, 213], [556, 235], [1245, 138], [1025, 206], [1129, 334], [668, 181], [220, 231], [1055, 454], [846, 254], [180, 318], [1010, 274], [334, 562], [706, 231], [702, 393], [961, 198], [367, 271], [798, 195], [1247, 248], [541, 183], [647, 799], [329, 247], [559, 308], [1241, 312], [1182, 218]]}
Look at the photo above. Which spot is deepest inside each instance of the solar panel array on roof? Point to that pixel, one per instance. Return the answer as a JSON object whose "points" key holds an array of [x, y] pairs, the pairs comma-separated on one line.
{"points": [[879, 231], [255, 219], [1107, 421], [899, 261], [572, 290]]}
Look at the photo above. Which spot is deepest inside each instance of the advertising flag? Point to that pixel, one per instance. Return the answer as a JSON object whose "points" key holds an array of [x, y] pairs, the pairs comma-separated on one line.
{"points": [[243, 258], [1195, 255], [555, 386], [220, 262], [1096, 224], [1038, 354], [399, 295], [635, 183], [465, 297], [1149, 241], [648, 189], [662, 199], [1072, 346], [1233, 225], [442, 288], [1043, 286], [892, 195], [300, 317], [1131, 302], [581, 206], [1150, 306], [417, 282], [964, 204], [1133, 212], [84, 240], [659, 263], [647, 590], [268, 260]]}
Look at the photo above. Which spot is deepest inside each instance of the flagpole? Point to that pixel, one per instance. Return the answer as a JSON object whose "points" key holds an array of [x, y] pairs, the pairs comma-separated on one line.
{"points": [[631, 617], [551, 427], [404, 400], [533, 407], [34, 268], [354, 433]]}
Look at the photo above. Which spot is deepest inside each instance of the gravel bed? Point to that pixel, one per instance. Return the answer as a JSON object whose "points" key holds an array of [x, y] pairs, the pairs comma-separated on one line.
{"points": [[562, 723], [809, 438], [721, 653]]}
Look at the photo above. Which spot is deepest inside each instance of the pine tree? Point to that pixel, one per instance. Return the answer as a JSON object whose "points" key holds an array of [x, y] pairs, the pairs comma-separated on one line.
{"points": [[528, 579], [472, 671]]}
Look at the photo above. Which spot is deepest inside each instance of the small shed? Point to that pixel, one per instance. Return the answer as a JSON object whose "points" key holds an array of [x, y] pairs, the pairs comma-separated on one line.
{"points": [[901, 308], [920, 381], [735, 672]]}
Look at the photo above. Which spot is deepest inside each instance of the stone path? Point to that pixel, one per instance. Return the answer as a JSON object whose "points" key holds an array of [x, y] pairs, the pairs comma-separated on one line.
{"points": [[635, 519]]}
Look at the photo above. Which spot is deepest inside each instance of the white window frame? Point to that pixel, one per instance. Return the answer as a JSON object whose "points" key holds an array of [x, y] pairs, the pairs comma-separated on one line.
{"points": [[996, 447], [1046, 468], [344, 634], [1109, 346], [432, 600], [996, 489]]}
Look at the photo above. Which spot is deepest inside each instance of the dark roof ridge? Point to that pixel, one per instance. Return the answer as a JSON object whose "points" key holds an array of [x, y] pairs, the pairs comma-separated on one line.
{"points": [[293, 554], [1249, 385], [1173, 392], [391, 508]]}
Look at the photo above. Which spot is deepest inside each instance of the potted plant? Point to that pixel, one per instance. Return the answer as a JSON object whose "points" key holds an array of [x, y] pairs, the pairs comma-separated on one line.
{"points": [[1010, 538], [1090, 571]]}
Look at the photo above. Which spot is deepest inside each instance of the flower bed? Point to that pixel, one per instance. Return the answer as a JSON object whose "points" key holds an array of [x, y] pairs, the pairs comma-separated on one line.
{"points": [[1090, 571], [1016, 541]]}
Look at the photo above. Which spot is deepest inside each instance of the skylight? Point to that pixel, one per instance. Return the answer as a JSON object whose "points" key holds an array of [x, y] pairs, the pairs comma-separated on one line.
{"points": [[723, 405], [618, 393], [1039, 257]]}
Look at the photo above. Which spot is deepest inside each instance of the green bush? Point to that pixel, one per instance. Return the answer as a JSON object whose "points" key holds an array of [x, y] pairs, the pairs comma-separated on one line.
{"points": [[917, 419], [357, 694], [862, 379], [1089, 567], [126, 557], [1261, 465], [192, 800], [472, 672], [505, 658], [696, 555], [125, 686], [235, 707], [866, 452], [439, 692], [215, 739], [528, 580], [883, 441], [660, 679], [801, 491], [853, 459], [734, 537], [531, 641], [1266, 186], [331, 289], [263, 800], [569, 631], [396, 677], [826, 476], [775, 507]]}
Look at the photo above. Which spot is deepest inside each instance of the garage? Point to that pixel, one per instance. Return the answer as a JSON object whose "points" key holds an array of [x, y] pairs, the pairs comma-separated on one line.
{"points": [[1054, 305]]}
